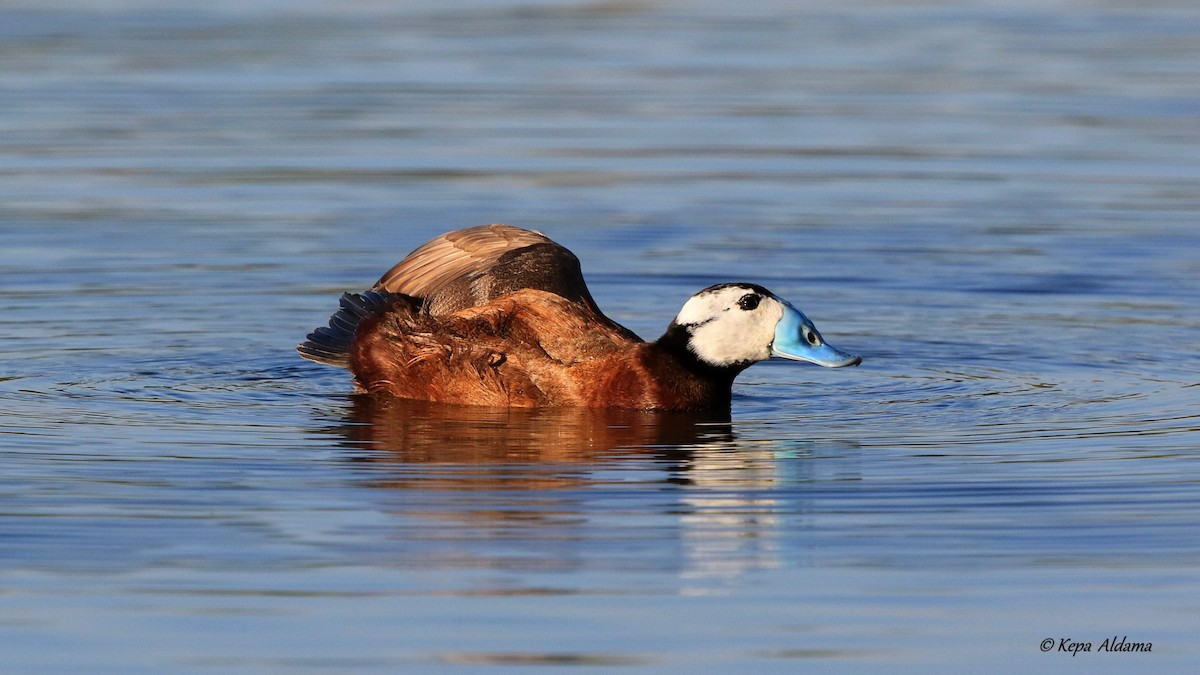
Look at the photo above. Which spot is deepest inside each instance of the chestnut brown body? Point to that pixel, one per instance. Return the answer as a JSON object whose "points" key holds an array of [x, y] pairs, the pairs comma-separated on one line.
{"points": [[527, 349]]}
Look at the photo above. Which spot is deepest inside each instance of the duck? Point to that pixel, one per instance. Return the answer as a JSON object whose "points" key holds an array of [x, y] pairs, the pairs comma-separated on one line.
{"points": [[501, 316]]}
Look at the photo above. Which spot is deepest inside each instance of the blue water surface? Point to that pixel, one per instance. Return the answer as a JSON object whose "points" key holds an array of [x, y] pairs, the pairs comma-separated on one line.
{"points": [[995, 203]]}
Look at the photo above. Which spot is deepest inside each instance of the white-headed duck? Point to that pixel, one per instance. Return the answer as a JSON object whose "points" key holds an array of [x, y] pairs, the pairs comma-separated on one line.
{"points": [[500, 316]]}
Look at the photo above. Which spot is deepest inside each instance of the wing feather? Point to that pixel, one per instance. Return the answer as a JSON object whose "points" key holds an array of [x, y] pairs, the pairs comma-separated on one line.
{"points": [[458, 256]]}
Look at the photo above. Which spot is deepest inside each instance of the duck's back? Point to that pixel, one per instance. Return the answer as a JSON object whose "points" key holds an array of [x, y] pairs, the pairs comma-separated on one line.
{"points": [[474, 266]]}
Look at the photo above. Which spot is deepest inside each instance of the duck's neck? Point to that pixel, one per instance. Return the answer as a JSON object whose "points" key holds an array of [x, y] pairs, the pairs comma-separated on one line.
{"points": [[695, 384]]}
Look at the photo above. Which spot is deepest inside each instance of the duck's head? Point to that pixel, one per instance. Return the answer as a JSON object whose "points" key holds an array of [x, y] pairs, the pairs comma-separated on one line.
{"points": [[735, 325]]}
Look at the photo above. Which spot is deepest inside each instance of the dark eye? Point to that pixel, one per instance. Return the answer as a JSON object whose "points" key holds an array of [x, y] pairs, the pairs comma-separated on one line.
{"points": [[812, 338], [749, 301]]}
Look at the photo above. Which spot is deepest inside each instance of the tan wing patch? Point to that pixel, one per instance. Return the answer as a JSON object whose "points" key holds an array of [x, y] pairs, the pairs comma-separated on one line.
{"points": [[454, 256]]}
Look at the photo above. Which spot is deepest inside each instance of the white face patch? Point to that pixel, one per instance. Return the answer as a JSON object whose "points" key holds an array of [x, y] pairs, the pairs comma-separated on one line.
{"points": [[723, 333]]}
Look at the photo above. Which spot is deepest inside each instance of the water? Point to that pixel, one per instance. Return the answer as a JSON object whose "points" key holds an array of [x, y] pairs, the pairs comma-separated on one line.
{"points": [[994, 203]]}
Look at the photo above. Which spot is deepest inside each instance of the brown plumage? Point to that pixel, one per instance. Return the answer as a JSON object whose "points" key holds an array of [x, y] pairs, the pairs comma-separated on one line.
{"points": [[500, 316]]}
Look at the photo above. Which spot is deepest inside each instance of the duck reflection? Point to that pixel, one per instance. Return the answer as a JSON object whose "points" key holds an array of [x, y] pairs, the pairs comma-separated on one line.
{"points": [[385, 429], [563, 480]]}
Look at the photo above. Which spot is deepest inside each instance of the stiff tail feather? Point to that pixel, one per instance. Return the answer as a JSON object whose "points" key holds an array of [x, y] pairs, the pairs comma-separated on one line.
{"points": [[331, 345]]}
